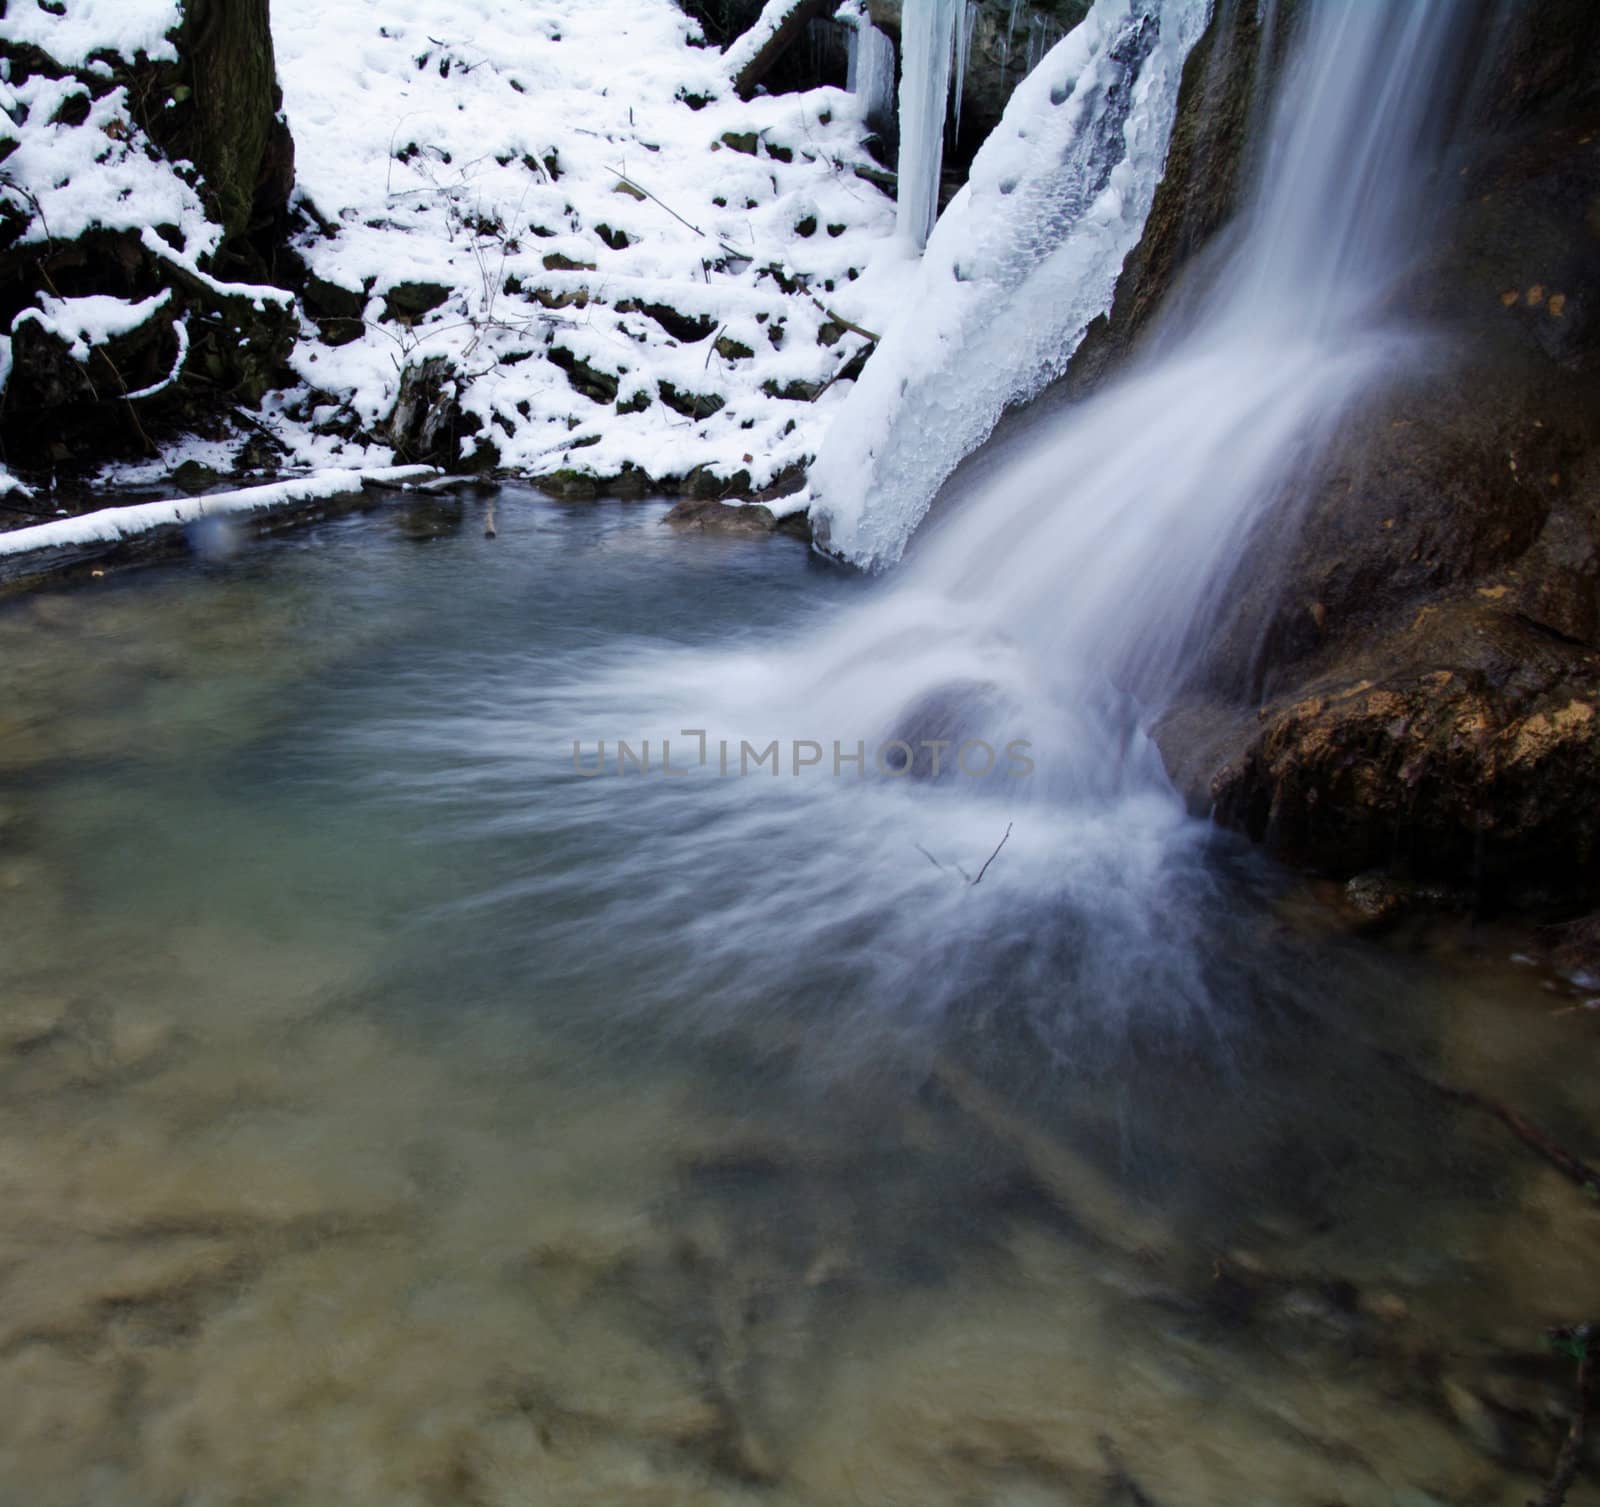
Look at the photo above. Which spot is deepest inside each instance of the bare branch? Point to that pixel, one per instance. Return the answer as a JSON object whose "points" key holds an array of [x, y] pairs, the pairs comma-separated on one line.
{"points": [[994, 855]]}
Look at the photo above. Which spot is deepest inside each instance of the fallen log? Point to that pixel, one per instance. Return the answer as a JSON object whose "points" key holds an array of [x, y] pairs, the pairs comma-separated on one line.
{"points": [[151, 530]]}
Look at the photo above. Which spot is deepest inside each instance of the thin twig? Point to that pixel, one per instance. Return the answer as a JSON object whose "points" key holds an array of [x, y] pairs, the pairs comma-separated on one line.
{"points": [[1580, 1339], [994, 855], [639, 187], [854, 329], [669, 209], [1570, 1165], [966, 877]]}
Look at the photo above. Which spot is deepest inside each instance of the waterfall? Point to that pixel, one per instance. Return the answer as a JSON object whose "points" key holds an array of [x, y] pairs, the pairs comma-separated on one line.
{"points": [[1026, 255], [927, 49], [1057, 604], [1087, 565]]}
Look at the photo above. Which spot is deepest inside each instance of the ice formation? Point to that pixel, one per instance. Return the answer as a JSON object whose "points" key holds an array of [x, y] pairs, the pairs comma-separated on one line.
{"points": [[1024, 258]]}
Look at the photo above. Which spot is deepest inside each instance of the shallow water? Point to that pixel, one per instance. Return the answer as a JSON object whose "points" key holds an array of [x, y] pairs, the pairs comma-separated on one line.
{"points": [[391, 1115]]}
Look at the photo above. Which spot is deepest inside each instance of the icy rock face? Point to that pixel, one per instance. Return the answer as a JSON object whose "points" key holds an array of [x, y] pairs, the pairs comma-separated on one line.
{"points": [[1024, 258]]}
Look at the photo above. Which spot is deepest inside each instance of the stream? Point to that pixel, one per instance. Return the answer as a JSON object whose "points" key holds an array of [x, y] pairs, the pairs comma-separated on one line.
{"points": [[393, 1112]]}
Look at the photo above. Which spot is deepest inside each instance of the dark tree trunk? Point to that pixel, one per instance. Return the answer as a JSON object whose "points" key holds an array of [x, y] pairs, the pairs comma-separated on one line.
{"points": [[229, 123], [208, 348]]}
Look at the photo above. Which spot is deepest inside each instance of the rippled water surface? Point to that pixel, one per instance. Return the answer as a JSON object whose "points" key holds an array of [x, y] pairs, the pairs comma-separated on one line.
{"points": [[389, 1115]]}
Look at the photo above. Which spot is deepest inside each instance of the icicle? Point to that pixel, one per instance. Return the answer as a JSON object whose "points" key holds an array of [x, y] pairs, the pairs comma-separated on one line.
{"points": [[928, 32], [877, 74], [1027, 255], [871, 69], [1011, 31], [964, 30]]}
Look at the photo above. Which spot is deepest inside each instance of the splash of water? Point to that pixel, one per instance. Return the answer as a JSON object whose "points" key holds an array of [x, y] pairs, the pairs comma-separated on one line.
{"points": [[1056, 606]]}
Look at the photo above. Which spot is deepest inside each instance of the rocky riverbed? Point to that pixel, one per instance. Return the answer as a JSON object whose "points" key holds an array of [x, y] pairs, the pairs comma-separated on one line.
{"points": [[321, 1190]]}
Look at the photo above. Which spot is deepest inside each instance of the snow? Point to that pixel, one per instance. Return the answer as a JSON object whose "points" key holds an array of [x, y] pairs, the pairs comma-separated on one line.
{"points": [[111, 524], [87, 27], [81, 323], [640, 272], [185, 261], [1024, 258], [499, 149], [101, 174]]}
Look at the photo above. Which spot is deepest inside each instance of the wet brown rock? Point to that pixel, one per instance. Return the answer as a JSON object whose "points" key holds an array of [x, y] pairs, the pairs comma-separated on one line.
{"points": [[707, 516], [1463, 743], [1403, 675]]}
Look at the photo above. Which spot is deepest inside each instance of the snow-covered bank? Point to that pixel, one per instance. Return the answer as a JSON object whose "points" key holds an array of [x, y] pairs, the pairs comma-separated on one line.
{"points": [[616, 267], [26, 551]]}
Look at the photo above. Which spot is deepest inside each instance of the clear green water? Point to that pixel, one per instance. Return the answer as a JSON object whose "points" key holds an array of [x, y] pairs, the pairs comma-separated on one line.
{"points": [[388, 1117]]}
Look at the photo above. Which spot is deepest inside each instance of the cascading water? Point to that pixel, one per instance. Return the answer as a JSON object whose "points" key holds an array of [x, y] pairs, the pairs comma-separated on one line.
{"points": [[1055, 608], [1098, 551]]}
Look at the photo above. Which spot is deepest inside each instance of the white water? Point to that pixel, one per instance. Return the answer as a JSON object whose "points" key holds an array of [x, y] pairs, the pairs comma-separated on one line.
{"points": [[1096, 554], [1026, 255], [1059, 606]]}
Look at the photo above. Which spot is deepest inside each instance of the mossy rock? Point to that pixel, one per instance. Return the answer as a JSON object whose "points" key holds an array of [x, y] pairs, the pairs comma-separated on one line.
{"points": [[703, 514], [596, 385], [793, 392], [569, 485], [688, 328], [329, 300], [690, 405], [406, 303]]}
